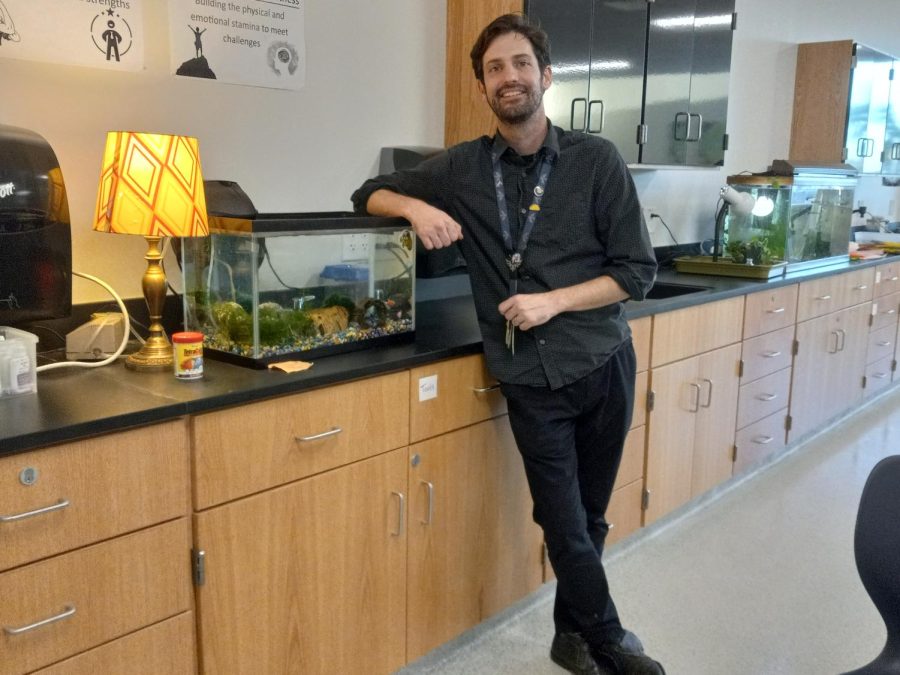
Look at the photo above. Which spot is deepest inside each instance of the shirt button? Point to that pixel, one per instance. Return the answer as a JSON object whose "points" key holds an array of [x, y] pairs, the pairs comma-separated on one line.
{"points": [[542, 341], [523, 211], [526, 277]]}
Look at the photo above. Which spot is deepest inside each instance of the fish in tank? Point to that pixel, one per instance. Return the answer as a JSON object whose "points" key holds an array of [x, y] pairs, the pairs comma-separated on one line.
{"points": [[308, 285]]}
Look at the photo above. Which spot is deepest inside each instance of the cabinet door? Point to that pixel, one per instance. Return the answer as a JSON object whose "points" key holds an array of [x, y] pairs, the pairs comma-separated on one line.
{"points": [[309, 577], [473, 547], [847, 385], [670, 454], [715, 424], [817, 344], [616, 88], [568, 24], [870, 84], [688, 61], [890, 161]]}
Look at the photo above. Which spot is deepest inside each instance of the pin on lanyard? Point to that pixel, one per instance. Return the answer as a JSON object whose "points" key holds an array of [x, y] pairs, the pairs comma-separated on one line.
{"points": [[515, 253]]}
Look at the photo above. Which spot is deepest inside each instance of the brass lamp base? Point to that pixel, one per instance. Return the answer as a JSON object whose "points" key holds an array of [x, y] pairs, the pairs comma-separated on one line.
{"points": [[155, 357], [156, 354]]}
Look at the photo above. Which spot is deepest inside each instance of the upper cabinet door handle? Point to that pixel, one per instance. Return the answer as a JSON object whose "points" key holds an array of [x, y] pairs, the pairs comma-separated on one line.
{"points": [[895, 151], [695, 139], [590, 116], [61, 504], [687, 126], [583, 125]]}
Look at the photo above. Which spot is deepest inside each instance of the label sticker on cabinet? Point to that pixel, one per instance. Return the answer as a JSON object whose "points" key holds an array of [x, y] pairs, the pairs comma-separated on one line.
{"points": [[427, 388]]}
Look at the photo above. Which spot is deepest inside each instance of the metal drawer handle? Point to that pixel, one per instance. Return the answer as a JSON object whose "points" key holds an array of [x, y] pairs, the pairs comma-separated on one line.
{"points": [[771, 355], [485, 390], [430, 488], [775, 311], [884, 343], [880, 376], [763, 440], [823, 297], [401, 498], [766, 397], [315, 437], [68, 611], [61, 504], [861, 287], [891, 311], [893, 279]]}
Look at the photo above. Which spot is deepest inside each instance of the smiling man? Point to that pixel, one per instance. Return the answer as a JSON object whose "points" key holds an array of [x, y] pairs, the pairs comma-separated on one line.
{"points": [[551, 229]]}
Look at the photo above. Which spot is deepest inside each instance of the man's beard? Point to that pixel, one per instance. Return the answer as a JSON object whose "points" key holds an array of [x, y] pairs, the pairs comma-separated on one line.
{"points": [[521, 112]]}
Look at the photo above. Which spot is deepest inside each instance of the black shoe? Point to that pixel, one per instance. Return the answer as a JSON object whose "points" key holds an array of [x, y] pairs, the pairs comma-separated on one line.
{"points": [[624, 658], [572, 652]]}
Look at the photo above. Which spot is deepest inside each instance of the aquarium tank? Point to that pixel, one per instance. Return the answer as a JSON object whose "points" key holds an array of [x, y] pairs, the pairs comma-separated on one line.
{"points": [[808, 223], [281, 286]]}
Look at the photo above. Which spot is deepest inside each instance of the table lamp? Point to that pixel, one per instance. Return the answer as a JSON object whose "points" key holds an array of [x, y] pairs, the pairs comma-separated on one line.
{"points": [[151, 185]]}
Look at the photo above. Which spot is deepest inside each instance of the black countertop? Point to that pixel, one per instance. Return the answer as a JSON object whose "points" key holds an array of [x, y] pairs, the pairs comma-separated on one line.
{"points": [[73, 403]]}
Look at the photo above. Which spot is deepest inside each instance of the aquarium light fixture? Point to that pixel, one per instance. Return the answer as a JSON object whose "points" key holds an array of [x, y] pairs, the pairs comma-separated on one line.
{"points": [[746, 204]]}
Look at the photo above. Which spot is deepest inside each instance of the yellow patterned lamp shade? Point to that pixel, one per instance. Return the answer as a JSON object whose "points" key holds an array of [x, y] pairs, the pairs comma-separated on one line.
{"points": [[151, 185]]}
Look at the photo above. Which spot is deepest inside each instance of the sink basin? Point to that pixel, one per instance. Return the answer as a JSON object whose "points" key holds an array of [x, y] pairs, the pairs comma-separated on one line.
{"points": [[666, 290]]}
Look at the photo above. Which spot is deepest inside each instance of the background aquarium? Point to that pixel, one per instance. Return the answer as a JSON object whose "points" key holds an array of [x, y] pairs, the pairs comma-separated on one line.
{"points": [[302, 285], [809, 224]]}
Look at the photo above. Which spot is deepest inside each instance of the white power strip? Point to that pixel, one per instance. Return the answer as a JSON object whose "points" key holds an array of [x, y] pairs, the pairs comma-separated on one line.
{"points": [[96, 339]]}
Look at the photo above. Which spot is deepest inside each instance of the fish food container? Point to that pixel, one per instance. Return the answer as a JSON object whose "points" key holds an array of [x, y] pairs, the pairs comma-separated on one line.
{"points": [[188, 355], [18, 360], [299, 285]]}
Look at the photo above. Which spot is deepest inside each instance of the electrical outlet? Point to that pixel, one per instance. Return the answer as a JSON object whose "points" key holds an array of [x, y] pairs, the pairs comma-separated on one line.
{"points": [[648, 212], [355, 247]]}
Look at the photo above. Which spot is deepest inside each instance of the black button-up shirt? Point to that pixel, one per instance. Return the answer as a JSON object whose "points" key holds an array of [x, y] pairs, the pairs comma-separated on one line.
{"points": [[589, 225]]}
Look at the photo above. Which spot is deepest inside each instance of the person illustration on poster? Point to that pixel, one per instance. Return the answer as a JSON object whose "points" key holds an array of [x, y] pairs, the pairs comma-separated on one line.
{"points": [[7, 28], [112, 39], [198, 41]]}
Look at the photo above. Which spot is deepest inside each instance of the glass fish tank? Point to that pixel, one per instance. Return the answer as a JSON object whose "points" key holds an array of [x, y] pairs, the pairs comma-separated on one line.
{"points": [[289, 286], [800, 215]]}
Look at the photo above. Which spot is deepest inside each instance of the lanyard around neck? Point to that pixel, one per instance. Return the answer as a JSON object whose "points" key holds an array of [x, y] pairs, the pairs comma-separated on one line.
{"points": [[516, 252]]}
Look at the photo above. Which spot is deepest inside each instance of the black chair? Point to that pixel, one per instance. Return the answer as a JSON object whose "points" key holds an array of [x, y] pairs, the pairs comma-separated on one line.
{"points": [[877, 548]]}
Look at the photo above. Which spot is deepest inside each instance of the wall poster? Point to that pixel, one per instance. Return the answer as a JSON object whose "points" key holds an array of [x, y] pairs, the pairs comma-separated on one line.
{"points": [[251, 42], [95, 33]]}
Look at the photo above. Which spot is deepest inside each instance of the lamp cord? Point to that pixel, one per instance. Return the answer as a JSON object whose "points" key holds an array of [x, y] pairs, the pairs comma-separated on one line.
{"points": [[112, 357]]}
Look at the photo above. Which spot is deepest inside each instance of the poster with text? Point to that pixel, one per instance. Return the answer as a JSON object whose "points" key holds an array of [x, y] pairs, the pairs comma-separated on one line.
{"points": [[253, 42], [96, 33]]}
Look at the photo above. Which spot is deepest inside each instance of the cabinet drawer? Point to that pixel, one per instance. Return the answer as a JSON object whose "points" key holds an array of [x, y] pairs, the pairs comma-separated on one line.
{"points": [[693, 330], [878, 375], [759, 440], [884, 311], [256, 446], [631, 467], [770, 310], [881, 344], [112, 484], [640, 336], [451, 394], [829, 294], [887, 279], [166, 648], [624, 511], [767, 354], [114, 588], [763, 397]]}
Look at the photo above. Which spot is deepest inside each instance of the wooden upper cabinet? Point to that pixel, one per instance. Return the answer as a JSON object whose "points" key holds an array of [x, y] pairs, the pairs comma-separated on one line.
{"points": [[821, 91], [466, 115]]}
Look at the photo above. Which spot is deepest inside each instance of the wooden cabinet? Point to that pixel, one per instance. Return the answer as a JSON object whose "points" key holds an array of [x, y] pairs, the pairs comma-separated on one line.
{"points": [[473, 547], [845, 107], [308, 577], [766, 368], [832, 339], [96, 542], [695, 358], [466, 114]]}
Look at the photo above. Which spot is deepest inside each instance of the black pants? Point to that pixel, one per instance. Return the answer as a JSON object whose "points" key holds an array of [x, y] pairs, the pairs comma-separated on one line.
{"points": [[571, 442]]}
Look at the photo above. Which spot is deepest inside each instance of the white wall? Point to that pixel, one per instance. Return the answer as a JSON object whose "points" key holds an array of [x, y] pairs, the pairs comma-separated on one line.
{"points": [[375, 77], [760, 102]]}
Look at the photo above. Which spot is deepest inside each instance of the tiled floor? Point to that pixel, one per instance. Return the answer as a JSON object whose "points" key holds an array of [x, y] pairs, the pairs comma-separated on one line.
{"points": [[760, 579]]}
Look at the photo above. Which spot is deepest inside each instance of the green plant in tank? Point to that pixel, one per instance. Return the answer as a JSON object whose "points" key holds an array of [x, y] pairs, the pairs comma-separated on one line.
{"points": [[336, 299], [232, 322], [755, 251], [273, 329], [299, 323]]}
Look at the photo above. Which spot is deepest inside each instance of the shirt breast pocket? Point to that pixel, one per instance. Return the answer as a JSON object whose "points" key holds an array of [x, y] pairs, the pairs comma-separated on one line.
{"points": [[568, 223]]}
